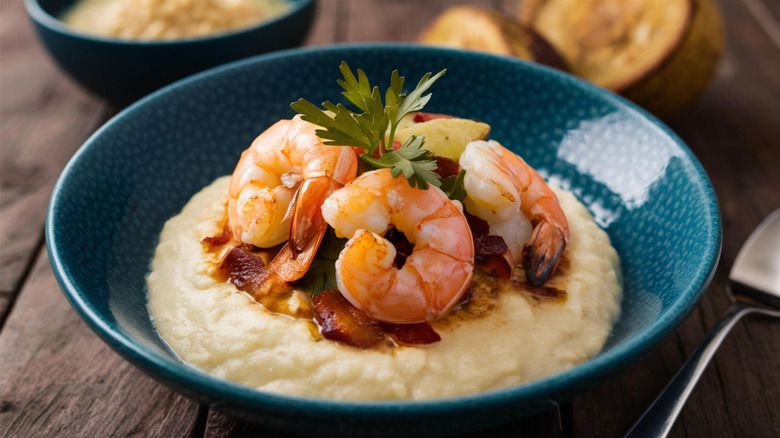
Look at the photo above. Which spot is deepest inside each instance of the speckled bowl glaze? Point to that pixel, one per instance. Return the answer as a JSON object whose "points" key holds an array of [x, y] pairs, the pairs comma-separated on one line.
{"points": [[640, 182], [122, 71]]}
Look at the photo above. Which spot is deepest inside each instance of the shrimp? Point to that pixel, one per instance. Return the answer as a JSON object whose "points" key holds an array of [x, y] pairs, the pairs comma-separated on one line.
{"points": [[518, 205], [286, 162], [434, 276]]}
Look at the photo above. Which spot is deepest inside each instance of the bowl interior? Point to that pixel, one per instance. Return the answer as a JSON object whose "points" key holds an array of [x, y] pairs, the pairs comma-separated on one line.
{"points": [[638, 180]]}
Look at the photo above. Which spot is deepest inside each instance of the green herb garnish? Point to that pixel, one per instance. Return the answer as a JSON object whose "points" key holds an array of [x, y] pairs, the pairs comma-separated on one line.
{"points": [[321, 275], [367, 129], [453, 186]]}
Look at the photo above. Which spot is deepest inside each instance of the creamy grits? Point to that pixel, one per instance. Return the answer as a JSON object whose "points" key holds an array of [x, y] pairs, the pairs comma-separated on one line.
{"points": [[168, 19], [502, 336]]}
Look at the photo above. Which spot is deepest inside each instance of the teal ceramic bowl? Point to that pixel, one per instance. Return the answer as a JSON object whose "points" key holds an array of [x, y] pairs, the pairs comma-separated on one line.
{"points": [[640, 182], [122, 71]]}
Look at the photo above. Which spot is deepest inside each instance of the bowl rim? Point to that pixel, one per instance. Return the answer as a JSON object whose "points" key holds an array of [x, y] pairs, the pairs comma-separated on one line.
{"points": [[42, 17], [551, 388]]}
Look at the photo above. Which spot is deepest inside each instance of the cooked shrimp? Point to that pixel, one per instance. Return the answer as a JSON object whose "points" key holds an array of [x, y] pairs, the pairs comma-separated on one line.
{"points": [[434, 276], [518, 205], [267, 176]]}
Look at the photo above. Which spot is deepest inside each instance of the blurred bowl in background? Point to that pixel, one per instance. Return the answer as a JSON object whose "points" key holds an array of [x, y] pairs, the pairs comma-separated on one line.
{"points": [[121, 71]]}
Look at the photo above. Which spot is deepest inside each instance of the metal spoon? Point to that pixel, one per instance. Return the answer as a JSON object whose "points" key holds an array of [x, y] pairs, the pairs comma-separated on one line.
{"points": [[755, 288]]}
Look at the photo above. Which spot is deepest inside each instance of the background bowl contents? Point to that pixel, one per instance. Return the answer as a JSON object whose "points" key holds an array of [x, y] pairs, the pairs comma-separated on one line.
{"points": [[122, 71], [168, 19], [660, 54], [630, 170]]}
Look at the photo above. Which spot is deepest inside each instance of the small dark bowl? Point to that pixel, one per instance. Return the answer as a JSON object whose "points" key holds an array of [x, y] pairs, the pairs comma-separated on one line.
{"points": [[122, 71]]}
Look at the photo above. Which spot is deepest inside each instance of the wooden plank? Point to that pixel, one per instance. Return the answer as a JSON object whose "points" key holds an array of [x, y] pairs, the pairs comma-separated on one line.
{"points": [[325, 29], [220, 425], [541, 425], [59, 379], [734, 132], [43, 120], [397, 20], [767, 15]]}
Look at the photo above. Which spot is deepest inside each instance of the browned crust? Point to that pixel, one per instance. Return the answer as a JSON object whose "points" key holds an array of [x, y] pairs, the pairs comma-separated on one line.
{"points": [[697, 57], [544, 53], [530, 9], [516, 40]]}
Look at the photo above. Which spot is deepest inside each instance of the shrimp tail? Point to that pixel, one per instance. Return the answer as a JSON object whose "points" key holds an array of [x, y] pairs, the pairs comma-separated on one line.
{"points": [[307, 217], [543, 253], [289, 265]]}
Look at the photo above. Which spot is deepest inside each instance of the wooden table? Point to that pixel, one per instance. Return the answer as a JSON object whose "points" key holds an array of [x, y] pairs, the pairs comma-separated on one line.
{"points": [[58, 379]]}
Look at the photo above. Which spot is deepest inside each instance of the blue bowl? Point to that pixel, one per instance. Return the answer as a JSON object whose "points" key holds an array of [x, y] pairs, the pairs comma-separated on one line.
{"points": [[641, 183], [122, 71]]}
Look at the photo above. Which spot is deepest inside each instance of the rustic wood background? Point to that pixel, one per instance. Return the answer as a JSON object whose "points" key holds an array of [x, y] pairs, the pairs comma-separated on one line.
{"points": [[58, 379]]}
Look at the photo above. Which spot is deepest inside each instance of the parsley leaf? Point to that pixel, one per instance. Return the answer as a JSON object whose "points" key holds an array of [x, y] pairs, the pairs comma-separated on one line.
{"points": [[321, 275], [366, 129], [412, 160], [342, 128], [405, 104], [453, 186]]}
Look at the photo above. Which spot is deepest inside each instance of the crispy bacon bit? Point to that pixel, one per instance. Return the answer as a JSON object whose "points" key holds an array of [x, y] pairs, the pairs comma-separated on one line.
{"points": [[424, 117], [403, 248], [411, 334], [244, 269], [491, 253], [218, 240], [541, 291], [478, 226], [447, 167], [341, 321]]}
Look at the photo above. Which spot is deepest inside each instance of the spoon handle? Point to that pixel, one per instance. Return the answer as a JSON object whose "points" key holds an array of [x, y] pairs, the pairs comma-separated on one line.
{"points": [[658, 419]]}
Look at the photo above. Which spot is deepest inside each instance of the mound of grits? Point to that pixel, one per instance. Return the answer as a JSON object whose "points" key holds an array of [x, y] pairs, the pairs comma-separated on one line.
{"points": [[168, 19], [503, 336]]}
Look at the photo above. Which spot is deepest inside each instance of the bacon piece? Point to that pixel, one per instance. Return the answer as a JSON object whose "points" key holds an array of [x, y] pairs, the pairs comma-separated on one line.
{"points": [[217, 240], [341, 321], [424, 117], [412, 334], [244, 269], [478, 226], [491, 253], [220, 240], [403, 248], [446, 167]]}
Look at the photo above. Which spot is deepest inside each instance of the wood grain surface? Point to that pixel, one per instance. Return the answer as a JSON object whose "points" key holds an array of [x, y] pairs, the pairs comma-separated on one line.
{"points": [[58, 379], [43, 120]]}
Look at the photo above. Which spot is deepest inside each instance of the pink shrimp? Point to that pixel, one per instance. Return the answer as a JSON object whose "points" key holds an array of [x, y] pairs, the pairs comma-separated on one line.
{"points": [[436, 274], [287, 158], [518, 205]]}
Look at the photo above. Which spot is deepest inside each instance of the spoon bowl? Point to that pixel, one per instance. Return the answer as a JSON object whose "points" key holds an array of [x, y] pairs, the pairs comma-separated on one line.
{"points": [[754, 287], [755, 276]]}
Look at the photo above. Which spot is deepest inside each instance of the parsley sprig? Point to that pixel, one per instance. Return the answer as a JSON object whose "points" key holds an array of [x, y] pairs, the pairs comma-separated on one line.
{"points": [[366, 128], [321, 275], [453, 186]]}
